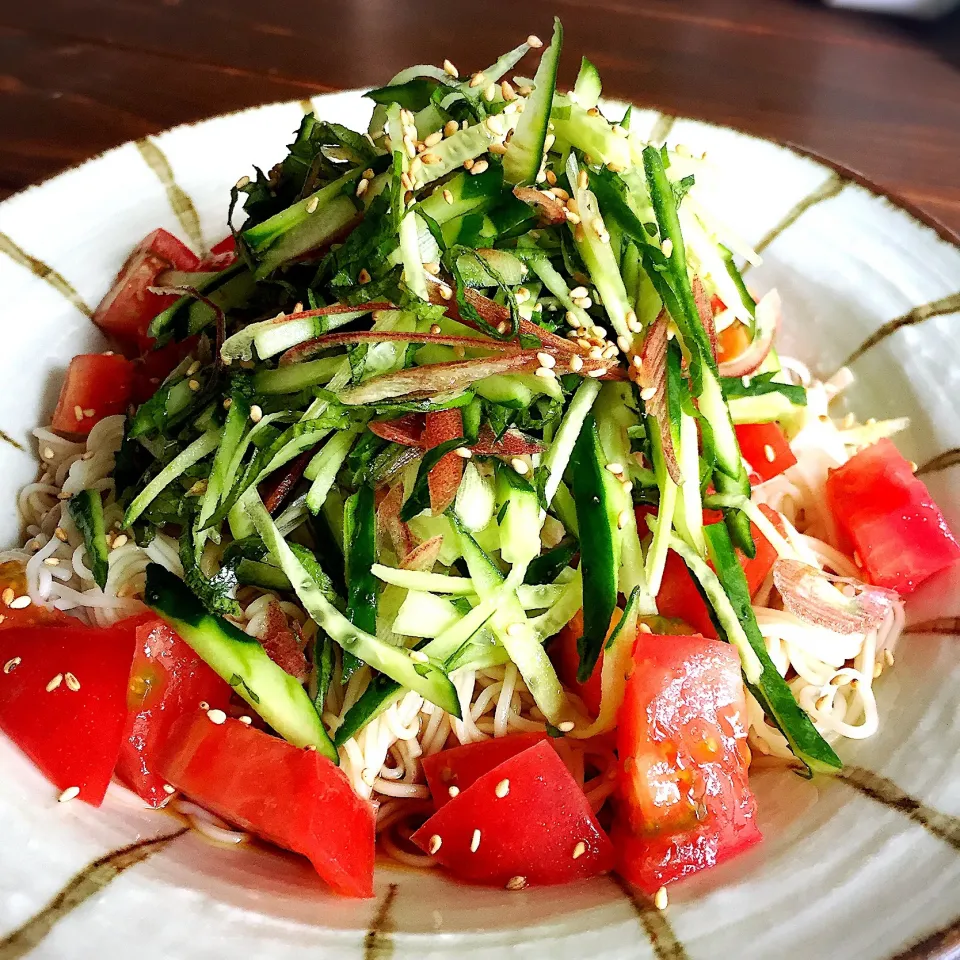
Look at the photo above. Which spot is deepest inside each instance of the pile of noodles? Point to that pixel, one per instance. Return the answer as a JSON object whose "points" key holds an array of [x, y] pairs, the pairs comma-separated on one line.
{"points": [[831, 675]]}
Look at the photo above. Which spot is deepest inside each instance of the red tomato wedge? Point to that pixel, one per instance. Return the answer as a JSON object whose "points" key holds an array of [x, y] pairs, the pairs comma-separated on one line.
{"points": [[756, 570], [127, 309], [167, 680], [221, 256], [153, 367], [566, 659], [886, 515], [462, 766], [684, 800], [63, 699], [444, 479], [97, 385], [732, 341], [679, 597], [765, 448], [541, 829], [294, 798]]}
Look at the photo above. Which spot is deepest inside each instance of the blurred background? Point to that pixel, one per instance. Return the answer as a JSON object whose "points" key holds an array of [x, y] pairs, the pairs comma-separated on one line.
{"points": [[876, 94]]}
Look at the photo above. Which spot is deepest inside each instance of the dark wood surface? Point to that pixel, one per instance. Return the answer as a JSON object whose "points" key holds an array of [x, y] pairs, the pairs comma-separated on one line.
{"points": [[879, 96]]}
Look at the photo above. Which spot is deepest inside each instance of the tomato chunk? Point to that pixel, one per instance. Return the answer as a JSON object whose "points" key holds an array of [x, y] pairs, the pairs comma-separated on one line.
{"points": [[680, 598], [63, 699], [167, 680], [221, 256], [765, 448], [294, 798], [540, 829], [685, 803], [444, 479], [462, 766], [129, 306], [886, 515], [756, 570], [566, 659], [153, 367], [732, 341], [13, 575], [97, 385]]}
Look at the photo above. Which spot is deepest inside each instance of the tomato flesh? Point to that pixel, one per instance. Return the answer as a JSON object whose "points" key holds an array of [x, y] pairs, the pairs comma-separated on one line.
{"points": [[566, 659], [462, 766], [167, 680], [535, 830], [732, 341], [765, 448], [757, 569], [221, 256], [129, 306], [153, 367], [97, 385], [72, 735], [13, 575], [294, 798], [684, 800], [444, 479], [885, 514]]}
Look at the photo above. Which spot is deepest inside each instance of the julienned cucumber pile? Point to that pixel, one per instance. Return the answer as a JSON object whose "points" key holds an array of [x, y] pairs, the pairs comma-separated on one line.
{"points": [[452, 356]]}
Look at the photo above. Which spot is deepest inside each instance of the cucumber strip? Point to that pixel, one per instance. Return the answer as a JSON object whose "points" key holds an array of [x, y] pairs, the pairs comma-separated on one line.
{"points": [[424, 615], [593, 494], [566, 509], [240, 660], [323, 667], [469, 193], [617, 661], [503, 65], [86, 509], [554, 282], [520, 524], [549, 565], [598, 257], [325, 466], [563, 611], [769, 532], [229, 288], [360, 543], [511, 627], [413, 272], [468, 144], [203, 446], [770, 689], [296, 376], [688, 513], [555, 460], [723, 609], [587, 87], [657, 551], [763, 409], [540, 596], [271, 338], [426, 582], [521, 162], [427, 679], [475, 501], [589, 133], [260, 574]]}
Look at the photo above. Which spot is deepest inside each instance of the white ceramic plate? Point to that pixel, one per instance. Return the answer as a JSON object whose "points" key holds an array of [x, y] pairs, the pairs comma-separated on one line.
{"points": [[853, 868]]}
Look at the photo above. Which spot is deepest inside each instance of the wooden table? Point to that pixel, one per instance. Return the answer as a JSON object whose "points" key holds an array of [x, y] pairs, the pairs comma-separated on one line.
{"points": [[878, 96]]}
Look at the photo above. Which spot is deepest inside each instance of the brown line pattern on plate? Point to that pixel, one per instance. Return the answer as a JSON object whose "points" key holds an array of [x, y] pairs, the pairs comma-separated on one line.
{"points": [[944, 826], [87, 883], [6, 438], [940, 945], [39, 269], [949, 458], [941, 625], [662, 127], [828, 189], [936, 308], [179, 201], [655, 924], [378, 943]]}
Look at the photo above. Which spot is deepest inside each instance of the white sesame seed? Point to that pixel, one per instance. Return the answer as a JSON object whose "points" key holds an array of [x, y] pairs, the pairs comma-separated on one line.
{"points": [[623, 518], [418, 656], [576, 363], [507, 91], [566, 726], [71, 681], [502, 788], [167, 788], [546, 360], [19, 603], [599, 372], [78, 412], [545, 373], [494, 124], [516, 883], [661, 900], [644, 628], [648, 393], [54, 683], [520, 466], [857, 560], [435, 843], [475, 841], [464, 452], [448, 196], [445, 291], [573, 319], [256, 413], [453, 791], [450, 128], [615, 467], [68, 794], [362, 187], [312, 204], [578, 292], [12, 664], [596, 353], [534, 41], [888, 657], [579, 850], [667, 248], [247, 720], [449, 69], [515, 630], [877, 670], [52, 561], [477, 79], [61, 534], [623, 343], [627, 486], [479, 167], [769, 453], [216, 716]]}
